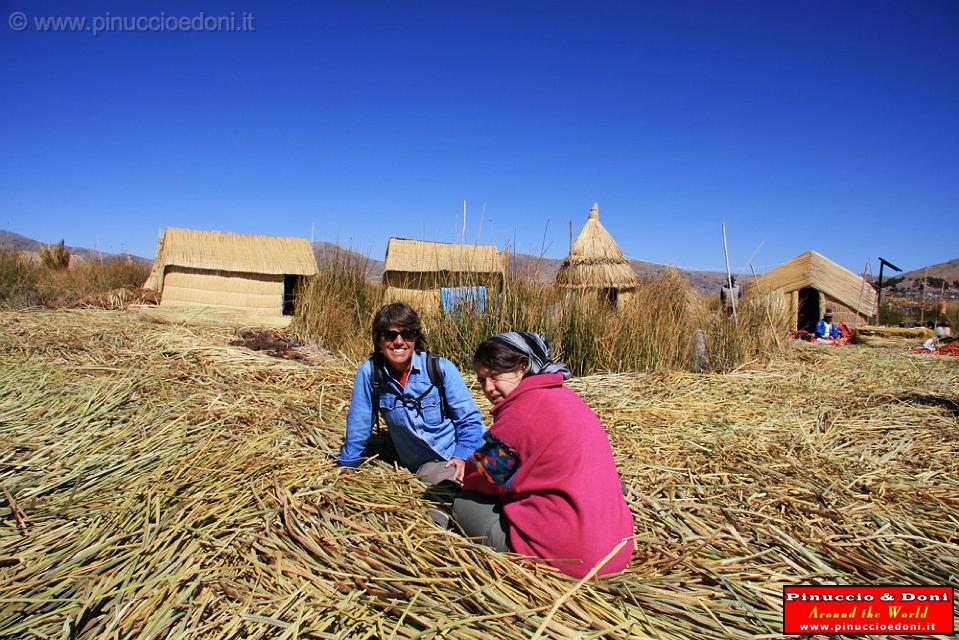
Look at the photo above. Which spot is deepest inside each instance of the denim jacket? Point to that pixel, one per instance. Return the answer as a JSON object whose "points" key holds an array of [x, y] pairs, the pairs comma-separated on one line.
{"points": [[418, 429]]}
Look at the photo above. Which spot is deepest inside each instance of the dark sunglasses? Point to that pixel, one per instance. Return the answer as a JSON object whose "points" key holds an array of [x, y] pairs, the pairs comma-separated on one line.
{"points": [[407, 334]]}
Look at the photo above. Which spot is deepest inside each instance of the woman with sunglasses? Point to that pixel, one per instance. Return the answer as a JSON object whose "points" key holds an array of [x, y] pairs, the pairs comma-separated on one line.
{"points": [[432, 445], [544, 483]]}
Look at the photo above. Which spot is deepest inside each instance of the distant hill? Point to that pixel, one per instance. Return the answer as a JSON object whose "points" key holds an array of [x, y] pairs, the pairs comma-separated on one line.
{"points": [[942, 277], [15, 242], [948, 271], [329, 251]]}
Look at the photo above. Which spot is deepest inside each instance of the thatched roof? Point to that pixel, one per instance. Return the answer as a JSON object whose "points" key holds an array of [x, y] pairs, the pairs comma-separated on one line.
{"points": [[595, 260], [236, 252], [815, 270], [418, 256]]}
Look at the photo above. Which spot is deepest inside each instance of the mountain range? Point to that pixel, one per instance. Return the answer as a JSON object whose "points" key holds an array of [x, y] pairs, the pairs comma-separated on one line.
{"points": [[545, 269], [15, 242]]}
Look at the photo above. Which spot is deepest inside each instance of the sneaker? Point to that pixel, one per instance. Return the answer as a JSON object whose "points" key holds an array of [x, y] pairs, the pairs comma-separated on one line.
{"points": [[441, 518]]}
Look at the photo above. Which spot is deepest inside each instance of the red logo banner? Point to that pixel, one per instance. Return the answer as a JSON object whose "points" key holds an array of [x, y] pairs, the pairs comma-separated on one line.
{"points": [[893, 609]]}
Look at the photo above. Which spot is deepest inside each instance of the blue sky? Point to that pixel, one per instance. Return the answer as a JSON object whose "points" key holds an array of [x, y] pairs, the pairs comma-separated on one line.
{"points": [[813, 125]]}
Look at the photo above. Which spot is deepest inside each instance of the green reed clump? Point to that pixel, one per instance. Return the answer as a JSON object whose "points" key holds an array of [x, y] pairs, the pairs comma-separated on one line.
{"points": [[28, 283], [54, 256], [19, 277], [335, 307], [758, 333], [652, 329], [951, 316], [67, 287], [521, 305], [95, 276]]}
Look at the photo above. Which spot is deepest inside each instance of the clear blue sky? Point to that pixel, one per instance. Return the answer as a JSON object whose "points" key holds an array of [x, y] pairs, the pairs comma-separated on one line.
{"points": [[831, 126]]}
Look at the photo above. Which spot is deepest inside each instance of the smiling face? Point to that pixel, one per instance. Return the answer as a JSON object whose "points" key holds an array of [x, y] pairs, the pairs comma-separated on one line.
{"points": [[498, 385], [396, 345]]}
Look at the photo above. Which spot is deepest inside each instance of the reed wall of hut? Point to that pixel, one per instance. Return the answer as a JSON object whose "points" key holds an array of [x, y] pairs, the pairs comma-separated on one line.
{"points": [[811, 283], [595, 268], [416, 271], [257, 292], [229, 270]]}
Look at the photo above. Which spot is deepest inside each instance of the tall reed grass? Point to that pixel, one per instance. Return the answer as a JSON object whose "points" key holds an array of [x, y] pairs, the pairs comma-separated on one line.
{"points": [[54, 256], [952, 315], [653, 330], [25, 282], [335, 307], [19, 277]]}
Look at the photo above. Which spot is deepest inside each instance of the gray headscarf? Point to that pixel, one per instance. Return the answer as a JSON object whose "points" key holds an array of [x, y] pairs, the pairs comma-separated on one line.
{"points": [[536, 349]]}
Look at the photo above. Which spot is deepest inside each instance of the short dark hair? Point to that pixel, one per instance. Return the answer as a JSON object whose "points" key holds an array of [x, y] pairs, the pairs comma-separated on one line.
{"points": [[499, 357], [402, 315]]}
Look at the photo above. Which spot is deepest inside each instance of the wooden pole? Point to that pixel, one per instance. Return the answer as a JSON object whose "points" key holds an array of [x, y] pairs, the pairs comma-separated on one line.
{"points": [[729, 276], [862, 287], [942, 293], [922, 303], [879, 300]]}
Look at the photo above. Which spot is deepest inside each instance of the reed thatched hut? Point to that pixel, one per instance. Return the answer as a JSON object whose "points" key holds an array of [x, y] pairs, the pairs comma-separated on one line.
{"points": [[596, 265], [234, 270], [812, 283], [417, 272]]}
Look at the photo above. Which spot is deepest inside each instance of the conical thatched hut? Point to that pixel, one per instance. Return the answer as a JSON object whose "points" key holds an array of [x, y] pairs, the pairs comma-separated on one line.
{"points": [[812, 283], [232, 270], [424, 274], [596, 265]]}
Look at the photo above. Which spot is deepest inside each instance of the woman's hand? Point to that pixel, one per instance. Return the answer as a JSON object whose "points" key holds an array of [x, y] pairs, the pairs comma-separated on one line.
{"points": [[460, 465]]}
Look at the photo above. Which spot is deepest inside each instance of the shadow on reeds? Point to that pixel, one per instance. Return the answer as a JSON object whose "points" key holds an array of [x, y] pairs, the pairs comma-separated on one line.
{"points": [[931, 401], [653, 330]]}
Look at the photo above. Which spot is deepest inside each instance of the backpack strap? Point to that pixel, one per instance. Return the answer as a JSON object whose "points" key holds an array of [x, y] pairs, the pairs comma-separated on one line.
{"points": [[376, 380], [436, 378]]}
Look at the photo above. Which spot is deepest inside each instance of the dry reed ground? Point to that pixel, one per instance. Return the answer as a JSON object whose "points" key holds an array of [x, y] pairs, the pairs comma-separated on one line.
{"points": [[159, 483]]}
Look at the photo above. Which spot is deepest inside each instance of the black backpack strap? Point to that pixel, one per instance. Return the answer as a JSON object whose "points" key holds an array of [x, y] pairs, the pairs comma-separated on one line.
{"points": [[436, 378], [376, 380]]}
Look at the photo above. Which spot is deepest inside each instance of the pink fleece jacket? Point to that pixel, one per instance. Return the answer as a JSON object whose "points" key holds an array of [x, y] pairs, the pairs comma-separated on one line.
{"points": [[564, 502]]}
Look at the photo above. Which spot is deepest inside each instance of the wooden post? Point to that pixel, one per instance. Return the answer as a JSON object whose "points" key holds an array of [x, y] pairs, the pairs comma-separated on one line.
{"points": [[940, 306], [862, 288], [729, 276], [922, 303], [794, 308], [699, 358]]}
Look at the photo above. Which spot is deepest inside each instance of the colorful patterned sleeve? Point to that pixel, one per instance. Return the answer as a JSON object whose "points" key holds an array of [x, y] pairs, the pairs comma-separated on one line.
{"points": [[496, 460]]}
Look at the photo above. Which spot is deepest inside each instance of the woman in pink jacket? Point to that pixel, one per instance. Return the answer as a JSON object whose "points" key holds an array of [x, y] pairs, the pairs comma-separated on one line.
{"points": [[544, 483]]}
